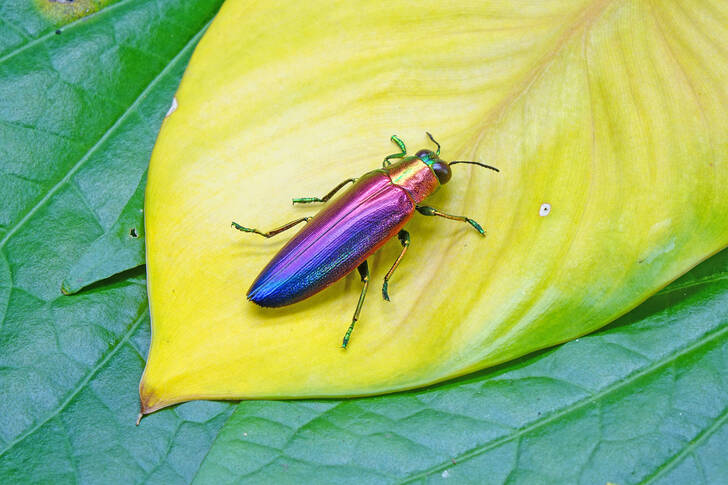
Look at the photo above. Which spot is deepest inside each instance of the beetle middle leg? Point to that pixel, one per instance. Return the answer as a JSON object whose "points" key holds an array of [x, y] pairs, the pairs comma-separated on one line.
{"points": [[364, 273], [272, 232], [404, 239], [430, 211], [325, 198], [401, 154]]}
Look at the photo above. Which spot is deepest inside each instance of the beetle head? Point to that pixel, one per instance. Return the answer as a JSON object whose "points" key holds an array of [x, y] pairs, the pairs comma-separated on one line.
{"points": [[440, 167]]}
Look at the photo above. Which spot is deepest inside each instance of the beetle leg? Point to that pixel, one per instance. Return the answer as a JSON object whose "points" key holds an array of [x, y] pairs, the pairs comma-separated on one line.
{"points": [[325, 198], [429, 211], [364, 273], [272, 232], [404, 239], [401, 154]]}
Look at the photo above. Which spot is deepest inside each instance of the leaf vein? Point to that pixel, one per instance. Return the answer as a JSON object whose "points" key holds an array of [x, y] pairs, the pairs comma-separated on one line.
{"points": [[690, 448], [105, 137], [578, 405], [82, 384]]}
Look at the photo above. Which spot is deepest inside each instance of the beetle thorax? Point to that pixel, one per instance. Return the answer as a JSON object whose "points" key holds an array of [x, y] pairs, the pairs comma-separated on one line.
{"points": [[415, 176]]}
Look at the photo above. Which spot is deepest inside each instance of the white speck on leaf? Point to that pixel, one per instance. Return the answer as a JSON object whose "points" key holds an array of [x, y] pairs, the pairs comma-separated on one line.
{"points": [[172, 108], [445, 474], [544, 210]]}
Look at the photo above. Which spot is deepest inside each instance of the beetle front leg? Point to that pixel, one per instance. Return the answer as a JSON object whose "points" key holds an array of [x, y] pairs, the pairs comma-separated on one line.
{"points": [[364, 273], [325, 198], [429, 211], [404, 239], [401, 154], [272, 232]]}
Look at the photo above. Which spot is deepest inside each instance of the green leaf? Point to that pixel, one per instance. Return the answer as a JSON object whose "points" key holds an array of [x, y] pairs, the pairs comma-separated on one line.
{"points": [[117, 250], [79, 112], [646, 399]]}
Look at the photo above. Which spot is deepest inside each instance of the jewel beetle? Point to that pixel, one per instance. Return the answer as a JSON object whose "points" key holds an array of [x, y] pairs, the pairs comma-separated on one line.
{"points": [[352, 227]]}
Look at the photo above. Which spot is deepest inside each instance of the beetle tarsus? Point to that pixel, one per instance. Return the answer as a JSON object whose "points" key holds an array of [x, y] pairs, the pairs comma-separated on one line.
{"points": [[476, 226], [345, 342], [272, 232], [307, 200], [244, 229]]}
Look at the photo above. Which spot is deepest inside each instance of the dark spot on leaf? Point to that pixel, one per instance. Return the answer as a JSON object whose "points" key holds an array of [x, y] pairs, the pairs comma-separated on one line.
{"points": [[133, 232], [58, 32]]}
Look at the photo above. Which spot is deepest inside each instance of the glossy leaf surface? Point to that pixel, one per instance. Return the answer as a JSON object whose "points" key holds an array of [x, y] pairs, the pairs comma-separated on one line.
{"points": [[612, 112]]}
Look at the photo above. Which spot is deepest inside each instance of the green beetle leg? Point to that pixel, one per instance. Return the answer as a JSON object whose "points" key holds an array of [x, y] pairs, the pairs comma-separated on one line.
{"points": [[404, 239], [429, 211], [325, 198], [272, 232], [364, 273], [401, 154]]}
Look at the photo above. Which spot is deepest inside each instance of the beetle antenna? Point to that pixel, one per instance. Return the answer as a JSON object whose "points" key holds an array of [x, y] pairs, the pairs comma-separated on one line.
{"points": [[433, 141], [474, 163]]}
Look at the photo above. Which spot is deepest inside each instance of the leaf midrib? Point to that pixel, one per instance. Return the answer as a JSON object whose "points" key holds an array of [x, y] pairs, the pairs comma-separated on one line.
{"points": [[581, 21]]}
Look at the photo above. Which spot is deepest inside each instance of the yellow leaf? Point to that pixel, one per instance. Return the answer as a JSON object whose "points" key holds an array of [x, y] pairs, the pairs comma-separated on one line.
{"points": [[613, 112]]}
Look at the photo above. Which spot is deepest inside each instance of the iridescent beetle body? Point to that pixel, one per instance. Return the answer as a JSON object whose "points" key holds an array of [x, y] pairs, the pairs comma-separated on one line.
{"points": [[351, 228], [335, 242]]}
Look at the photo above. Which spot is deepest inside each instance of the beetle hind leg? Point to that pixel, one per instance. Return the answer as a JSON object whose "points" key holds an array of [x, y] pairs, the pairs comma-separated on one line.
{"points": [[404, 239], [364, 273], [272, 232]]}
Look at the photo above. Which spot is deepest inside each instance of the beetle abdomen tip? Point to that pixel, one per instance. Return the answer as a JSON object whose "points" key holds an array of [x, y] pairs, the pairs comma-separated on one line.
{"points": [[268, 299]]}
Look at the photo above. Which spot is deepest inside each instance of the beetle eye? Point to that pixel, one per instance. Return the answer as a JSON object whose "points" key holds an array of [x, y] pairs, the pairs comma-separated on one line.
{"points": [[442, 170]]}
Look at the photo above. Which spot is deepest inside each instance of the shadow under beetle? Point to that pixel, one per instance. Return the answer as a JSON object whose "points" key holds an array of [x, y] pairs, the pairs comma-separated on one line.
{"points": [[347, 231]]}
